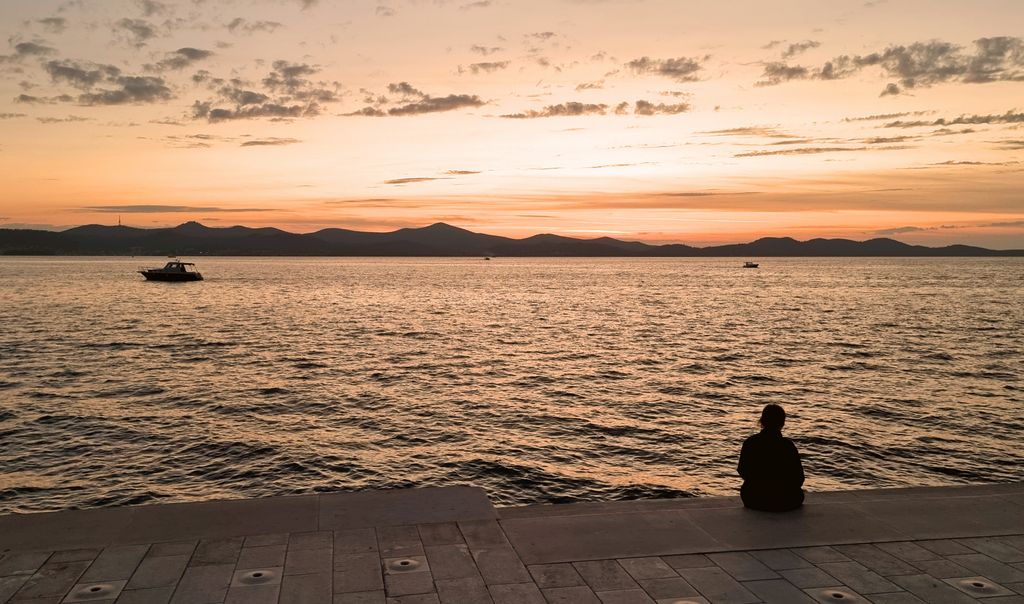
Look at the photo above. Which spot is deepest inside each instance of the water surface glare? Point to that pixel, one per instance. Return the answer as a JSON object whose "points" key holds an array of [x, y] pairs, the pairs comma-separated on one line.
{"points": [[540, 380]]}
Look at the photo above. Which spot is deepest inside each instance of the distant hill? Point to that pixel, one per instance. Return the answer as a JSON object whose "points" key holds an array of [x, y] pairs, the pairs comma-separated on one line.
{"points": [[192, 238]]}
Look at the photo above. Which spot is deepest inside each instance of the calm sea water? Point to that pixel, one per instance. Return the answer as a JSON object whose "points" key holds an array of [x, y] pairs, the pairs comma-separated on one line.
{"points": [[537, 379]]}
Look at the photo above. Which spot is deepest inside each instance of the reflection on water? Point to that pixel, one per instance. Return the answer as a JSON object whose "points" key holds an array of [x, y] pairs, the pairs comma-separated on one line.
{"points": [[537, 379]]}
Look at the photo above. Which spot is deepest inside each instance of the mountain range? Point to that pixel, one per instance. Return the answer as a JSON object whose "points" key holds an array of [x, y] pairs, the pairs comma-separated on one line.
{"points": [[192, 238]]}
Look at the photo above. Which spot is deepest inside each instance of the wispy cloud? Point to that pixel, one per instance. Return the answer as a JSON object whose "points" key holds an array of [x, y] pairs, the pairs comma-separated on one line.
{"points": [[680, 69], [648, 108], [54, 25], [413, 179], [815, 150], [917, 65], [136, 32], [883, 116], [270, 142], [162, 209], [765, 131], [241, 26], [799, 47], [62, 120], [1010, 117], [485, 50], [415, 102], [484, 67], [180, 59], [561, 110]]}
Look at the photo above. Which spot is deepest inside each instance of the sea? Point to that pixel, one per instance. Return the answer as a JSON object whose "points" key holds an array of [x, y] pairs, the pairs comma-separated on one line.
{"points": [[539, 380]]}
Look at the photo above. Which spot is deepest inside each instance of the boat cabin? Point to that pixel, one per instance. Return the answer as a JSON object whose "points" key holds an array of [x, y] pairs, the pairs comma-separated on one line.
{"points": [[176, 266]]}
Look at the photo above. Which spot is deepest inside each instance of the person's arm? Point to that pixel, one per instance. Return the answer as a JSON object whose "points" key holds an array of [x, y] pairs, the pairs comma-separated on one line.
{"points": [[798, 467], [744, 464]]}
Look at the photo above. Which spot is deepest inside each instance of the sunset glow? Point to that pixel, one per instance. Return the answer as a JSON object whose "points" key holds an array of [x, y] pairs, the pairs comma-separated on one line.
{"points": [[661, 121]]}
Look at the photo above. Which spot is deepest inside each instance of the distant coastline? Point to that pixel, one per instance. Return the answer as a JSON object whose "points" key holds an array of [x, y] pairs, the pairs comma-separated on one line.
{"points": [[193, 238]]}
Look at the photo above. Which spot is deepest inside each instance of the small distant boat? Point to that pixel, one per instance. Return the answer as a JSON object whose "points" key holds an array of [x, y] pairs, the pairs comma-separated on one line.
{"points": [[175, 270], [487, 257], [750, 265]]}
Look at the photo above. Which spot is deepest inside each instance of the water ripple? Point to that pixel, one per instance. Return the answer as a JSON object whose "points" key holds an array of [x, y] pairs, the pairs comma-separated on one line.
{"points": [[540, 380]]}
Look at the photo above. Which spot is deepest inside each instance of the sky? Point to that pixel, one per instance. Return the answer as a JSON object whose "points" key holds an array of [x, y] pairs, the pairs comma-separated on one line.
{"points": [[652, 120]]}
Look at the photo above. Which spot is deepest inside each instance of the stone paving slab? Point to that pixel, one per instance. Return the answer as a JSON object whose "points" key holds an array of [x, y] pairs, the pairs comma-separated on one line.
{"points": [[867, 517], [457, 552], [403, 507]]}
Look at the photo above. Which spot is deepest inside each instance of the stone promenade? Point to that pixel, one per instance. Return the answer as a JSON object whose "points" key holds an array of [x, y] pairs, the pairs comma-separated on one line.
{"points": [[450, 545]]}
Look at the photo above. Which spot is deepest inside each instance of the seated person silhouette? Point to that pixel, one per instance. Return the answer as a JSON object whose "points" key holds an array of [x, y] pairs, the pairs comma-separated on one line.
{"points": [[770, 466]]}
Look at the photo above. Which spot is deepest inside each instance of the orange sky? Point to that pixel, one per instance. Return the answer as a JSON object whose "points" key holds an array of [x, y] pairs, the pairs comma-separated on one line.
{"points": [[640, 119]]}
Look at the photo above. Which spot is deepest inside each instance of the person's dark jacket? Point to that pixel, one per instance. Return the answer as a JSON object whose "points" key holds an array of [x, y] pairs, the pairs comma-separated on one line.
{"points": [[772, 472]]}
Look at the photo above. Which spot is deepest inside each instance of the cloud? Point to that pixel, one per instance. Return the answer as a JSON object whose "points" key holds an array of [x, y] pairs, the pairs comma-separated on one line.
{"points": [[405, 181], [947, 227], [799, 47], [952, 162], [158, 209], [766, 131], [289, 93], [885, 140], [702, 193], [54, 25], [11, 116], [1010, 117], [485, 67], [28, 99], [80, 75], [62, 120], [87, 76], [152, 7], [32, 49], [194, 141], [542, 36], [205, 111], [899, 230], [367, 112], [290, 79], [777, 73], [681, 69], [405, 89], [882, 116], [478, 4], [131, 89], [180, 59], [240, 26], [438, 104], [485, 50], [385, 11], [461, 172], [562, 110], [890, 90], [599, 85], [270, 142], [918, 65], [137, 31], [816, 150], [414, 102], [241, 96], [648, 108]]}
